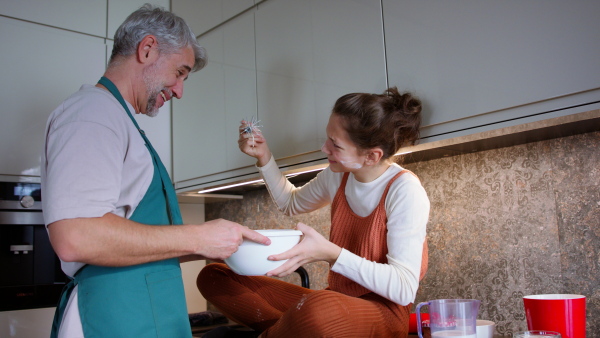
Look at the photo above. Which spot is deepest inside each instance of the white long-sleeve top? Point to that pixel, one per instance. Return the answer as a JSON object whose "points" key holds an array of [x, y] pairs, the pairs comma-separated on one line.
{"points": [[407, 210]]}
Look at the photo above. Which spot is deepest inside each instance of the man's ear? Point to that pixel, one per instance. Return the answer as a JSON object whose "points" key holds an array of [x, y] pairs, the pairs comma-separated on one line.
{"points": [[374, 156], [147, 50]]}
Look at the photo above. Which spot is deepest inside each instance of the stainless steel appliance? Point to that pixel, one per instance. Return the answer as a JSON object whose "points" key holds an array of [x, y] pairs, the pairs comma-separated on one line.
{"points": [[30, 273]]}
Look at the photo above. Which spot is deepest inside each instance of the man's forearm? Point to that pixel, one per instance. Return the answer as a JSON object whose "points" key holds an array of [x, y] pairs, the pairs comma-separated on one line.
{"points": [[112, 240]]}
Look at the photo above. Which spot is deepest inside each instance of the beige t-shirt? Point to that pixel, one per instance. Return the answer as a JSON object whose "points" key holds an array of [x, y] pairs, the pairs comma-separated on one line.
{"points": [[94, 161]]}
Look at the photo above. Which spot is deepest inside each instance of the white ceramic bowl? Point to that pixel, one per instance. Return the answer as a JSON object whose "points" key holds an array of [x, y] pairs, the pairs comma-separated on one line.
{"points": [[251, 258]]}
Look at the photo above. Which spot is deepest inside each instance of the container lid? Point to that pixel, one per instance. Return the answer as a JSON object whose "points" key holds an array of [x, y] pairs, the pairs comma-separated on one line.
{"points": [[554, 296], [280, 232]]}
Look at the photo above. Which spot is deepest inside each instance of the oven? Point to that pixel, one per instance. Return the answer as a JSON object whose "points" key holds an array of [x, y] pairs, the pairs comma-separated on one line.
{"points": [[31, 276]]}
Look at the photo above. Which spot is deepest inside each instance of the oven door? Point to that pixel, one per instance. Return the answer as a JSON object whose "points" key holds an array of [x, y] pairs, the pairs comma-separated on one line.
{"points": [[31, 276]]}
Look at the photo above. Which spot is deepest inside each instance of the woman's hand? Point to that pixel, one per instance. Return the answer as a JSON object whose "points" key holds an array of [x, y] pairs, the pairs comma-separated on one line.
{"points": [[312, 248], [253, 143]]}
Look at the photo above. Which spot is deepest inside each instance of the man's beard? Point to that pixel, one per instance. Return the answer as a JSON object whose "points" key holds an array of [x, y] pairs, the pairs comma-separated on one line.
{"points": [[153, 88]]}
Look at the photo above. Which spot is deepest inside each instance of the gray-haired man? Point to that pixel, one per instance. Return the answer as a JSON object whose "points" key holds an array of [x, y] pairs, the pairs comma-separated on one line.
{"points": [[108, 199]]}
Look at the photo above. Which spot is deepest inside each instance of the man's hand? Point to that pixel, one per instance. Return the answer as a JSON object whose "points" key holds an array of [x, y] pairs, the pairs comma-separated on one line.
{"points": [[221, 238]]}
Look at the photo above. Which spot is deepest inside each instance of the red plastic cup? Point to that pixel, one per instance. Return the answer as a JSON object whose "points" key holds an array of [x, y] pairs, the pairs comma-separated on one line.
{"points": [[412, 323], [558, 312]]}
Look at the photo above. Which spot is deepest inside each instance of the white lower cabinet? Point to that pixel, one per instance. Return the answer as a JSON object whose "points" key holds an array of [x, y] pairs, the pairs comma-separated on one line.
{"points": [[31, 323], [192, 214]]}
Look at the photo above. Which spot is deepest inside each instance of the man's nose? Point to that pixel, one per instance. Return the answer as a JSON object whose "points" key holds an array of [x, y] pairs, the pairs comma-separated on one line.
{"points": [[178, 89], [324, 148]]}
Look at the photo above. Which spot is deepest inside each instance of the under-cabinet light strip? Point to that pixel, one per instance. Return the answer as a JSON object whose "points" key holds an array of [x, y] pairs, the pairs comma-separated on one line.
{"points": [[228, 186], [253, 181]]}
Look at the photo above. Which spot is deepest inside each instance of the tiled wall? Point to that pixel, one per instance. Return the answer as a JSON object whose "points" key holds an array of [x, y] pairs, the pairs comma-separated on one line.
{"points": [[504, 223]]}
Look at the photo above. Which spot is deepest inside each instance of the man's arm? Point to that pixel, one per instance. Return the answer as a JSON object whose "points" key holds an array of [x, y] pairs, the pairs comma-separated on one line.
{"points": [[111, 240]]}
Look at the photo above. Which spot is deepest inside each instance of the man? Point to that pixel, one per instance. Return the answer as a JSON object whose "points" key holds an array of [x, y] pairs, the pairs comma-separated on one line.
{"points": [[108, 199]]}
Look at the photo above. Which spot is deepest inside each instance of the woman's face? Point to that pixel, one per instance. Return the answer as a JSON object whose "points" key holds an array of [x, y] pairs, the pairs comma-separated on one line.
{"points": [[342, 153]]}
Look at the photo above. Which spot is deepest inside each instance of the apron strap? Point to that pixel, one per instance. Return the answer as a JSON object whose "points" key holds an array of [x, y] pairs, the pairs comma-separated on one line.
{"points": [[169, 191], [61, 307]]}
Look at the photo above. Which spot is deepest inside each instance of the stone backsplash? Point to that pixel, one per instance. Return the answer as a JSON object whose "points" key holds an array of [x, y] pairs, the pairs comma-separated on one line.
{"points": [[504, 223]]}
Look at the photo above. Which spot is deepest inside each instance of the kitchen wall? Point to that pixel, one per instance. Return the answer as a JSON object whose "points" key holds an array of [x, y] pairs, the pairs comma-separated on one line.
{"points": [[504, 223]]}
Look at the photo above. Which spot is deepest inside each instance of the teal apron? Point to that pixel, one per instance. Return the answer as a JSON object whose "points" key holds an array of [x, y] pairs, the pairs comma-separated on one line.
{"points": [[145, 300]]}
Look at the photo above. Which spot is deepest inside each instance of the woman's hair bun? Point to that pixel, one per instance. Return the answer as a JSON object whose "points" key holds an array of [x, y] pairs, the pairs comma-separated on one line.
{"points": [[405, 103], [405, 116]]}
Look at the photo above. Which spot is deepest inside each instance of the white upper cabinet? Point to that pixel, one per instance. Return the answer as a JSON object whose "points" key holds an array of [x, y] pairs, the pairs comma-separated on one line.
{"points": [[284, 62], [207, 14], [41, 68], [119, 10], [308, 54], [476, 63], [215, 100], [87, 16]]}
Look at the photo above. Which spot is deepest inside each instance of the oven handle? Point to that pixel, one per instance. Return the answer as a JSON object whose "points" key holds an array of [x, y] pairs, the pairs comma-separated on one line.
{"points": [[21, 217], [24, 249]]}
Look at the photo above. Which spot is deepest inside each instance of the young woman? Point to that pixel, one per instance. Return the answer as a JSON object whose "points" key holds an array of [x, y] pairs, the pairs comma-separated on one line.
{"points": [[376, 250]]}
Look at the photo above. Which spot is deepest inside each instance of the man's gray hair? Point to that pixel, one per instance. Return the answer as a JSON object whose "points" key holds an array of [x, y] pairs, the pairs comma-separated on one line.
{"points": [[170, 30]]}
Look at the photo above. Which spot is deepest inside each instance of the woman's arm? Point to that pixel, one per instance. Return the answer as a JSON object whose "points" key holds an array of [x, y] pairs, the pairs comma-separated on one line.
{"points": [[287, 197], [291, 200]]}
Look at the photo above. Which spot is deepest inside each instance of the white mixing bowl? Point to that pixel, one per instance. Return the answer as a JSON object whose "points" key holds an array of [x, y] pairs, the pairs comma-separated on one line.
{"points": [[251, 258]]}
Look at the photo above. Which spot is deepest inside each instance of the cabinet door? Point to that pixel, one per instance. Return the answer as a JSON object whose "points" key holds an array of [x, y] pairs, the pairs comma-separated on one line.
{"points": [[42, 67], [483, 62], [82, 16], [206, 14], [206, 120], [119, 10], [309, 53]]}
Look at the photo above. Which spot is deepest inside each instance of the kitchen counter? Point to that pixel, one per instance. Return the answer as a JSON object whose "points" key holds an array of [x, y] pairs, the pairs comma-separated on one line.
{"points": [[495, 336]]}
